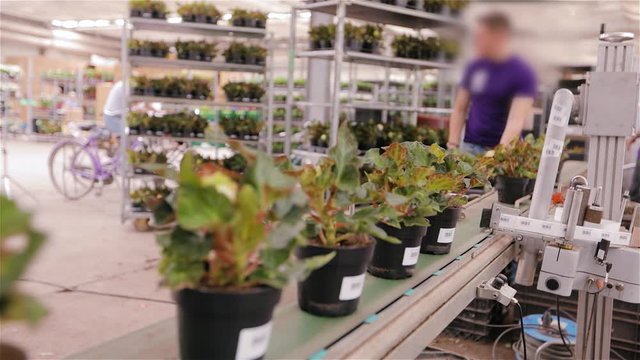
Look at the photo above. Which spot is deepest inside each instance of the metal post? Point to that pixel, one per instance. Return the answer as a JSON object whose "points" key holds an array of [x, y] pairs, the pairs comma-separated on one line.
{"points": [[270, 81], [337, 71], [385, 87], [290, 75], [124, 130], [415, 96], [30, 95]]}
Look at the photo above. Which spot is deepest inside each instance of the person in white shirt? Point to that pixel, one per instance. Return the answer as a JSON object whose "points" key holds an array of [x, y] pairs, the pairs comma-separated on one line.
{"points": [[113, 109]]}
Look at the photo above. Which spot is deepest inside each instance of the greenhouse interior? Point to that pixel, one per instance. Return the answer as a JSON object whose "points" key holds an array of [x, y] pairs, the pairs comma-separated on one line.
{"points": [[319, 179]]}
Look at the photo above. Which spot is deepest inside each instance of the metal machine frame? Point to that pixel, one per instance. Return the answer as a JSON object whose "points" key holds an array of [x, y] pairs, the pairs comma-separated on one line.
{"points": [[569, 241]]}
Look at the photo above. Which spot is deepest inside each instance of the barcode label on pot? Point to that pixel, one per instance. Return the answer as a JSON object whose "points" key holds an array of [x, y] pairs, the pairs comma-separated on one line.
{"points": [[410, 256], [253, 342], [351, 287], [446, 235]]}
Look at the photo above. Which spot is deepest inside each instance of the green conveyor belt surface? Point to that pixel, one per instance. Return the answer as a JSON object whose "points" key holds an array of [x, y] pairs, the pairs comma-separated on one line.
{"points": [[297, 334]]}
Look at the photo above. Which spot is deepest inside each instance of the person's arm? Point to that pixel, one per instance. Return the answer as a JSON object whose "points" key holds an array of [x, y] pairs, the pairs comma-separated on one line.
{"points": [[518, 113], [458, 117]]}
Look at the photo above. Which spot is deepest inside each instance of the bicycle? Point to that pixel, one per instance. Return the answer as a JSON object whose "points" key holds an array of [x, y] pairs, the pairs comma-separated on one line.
{"points": [[76, 165]]}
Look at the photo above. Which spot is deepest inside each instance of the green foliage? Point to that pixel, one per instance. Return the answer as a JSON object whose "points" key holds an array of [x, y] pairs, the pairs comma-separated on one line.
{"points": [[333, 188], [235, 229], [183, 124], [243, 91], [400, 178], [245, 54], [203, 8], [202, 48], [19, 242], [148, 6], [318, 133], [146, 197], [519, 159], [241, 123]]}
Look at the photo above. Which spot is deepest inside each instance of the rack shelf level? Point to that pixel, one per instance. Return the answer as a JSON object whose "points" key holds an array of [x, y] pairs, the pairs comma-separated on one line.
{"points": [[374, 59], [195, 102], [196, 28], [368, 10], [147, 61]]}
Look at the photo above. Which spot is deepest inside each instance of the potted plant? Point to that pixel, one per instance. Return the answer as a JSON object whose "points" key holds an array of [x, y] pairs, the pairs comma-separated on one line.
{"points": [[455, 174], [514, 166], [201, 12], [255, 55], [235, 53], [241, 17], [233, 91], [353, 37], [398, 180], [318, 133], [259, 19], [334, 226], [434, 6], [449, 48], [456, 6], [371, 36], [19, 243], [152, 9], [228, 255], [322, 36]]}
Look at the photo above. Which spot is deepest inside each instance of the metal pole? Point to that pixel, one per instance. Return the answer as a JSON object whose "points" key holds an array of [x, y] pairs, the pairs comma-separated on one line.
{"points": [[337, 71], [415, 97], [290, 75], [385, 87], [30, 95], [270, 81], [124, 131]]}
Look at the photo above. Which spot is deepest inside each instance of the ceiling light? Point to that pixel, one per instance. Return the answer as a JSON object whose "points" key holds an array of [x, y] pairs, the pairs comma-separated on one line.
{"points": [[64, 34]]}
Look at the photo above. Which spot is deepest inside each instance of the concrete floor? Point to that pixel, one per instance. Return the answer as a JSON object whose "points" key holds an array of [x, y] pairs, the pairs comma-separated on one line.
{"points": [[96, 276]]}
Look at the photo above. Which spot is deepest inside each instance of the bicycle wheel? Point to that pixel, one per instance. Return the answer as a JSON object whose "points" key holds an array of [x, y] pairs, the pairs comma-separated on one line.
{"points": [[72, 170]]}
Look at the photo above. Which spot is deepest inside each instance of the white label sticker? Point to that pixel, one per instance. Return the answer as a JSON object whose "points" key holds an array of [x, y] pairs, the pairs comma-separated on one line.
{"points": [[411, 255], [446, 235], [253, 342], [351, 287], [513, 222], [552, 148]]}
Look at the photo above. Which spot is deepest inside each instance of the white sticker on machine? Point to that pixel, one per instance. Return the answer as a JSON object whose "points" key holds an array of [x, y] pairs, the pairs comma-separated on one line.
{"points": [[552, 148], [253, 342], [351, 287], [411, 255], [446, 235]]}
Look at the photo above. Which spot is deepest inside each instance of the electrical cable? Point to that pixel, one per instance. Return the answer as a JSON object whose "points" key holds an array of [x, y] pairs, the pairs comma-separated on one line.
{"points": [[560, 327], [524, 341], [495, 343]]}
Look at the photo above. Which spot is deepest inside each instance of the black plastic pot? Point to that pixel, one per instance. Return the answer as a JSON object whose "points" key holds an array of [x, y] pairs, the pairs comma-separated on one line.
{"points": [[510, 189], [530, 186], [440, 232], [397, 261], [334, 289], [217, 323]]}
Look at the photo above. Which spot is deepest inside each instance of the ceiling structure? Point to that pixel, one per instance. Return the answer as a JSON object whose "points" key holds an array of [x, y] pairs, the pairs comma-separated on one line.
{"points": [[559, 32]]}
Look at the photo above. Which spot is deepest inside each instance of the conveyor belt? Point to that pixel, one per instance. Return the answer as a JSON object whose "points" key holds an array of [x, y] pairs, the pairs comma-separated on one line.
{"points": [[441, 287]]}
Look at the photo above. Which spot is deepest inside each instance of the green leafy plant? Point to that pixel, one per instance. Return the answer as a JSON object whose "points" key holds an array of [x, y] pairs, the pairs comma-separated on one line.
{"points": [[148, 8], [333, 188], [196, 50], [318, 133], [199, 11], [240, 91], [19, 242], [322, 36], [400, 178], [239, 53], [235, 230], [519, 159], [144, 197]]}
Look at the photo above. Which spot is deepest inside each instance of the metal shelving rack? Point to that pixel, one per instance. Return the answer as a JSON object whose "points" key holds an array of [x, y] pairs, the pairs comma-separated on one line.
{"points": [[375, 12], [133, 25]]}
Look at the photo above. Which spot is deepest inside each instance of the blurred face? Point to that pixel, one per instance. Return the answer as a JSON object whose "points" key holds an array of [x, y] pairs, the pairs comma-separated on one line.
{"points": [[490, 43]]}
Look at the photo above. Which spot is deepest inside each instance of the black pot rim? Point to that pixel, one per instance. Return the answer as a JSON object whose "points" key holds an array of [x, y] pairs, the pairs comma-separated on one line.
{"points": [[349, 247], [231, 291]]}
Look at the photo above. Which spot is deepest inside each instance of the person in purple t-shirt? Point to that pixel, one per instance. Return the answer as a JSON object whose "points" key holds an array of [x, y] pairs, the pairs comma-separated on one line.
{"points": [[497, 90]]}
